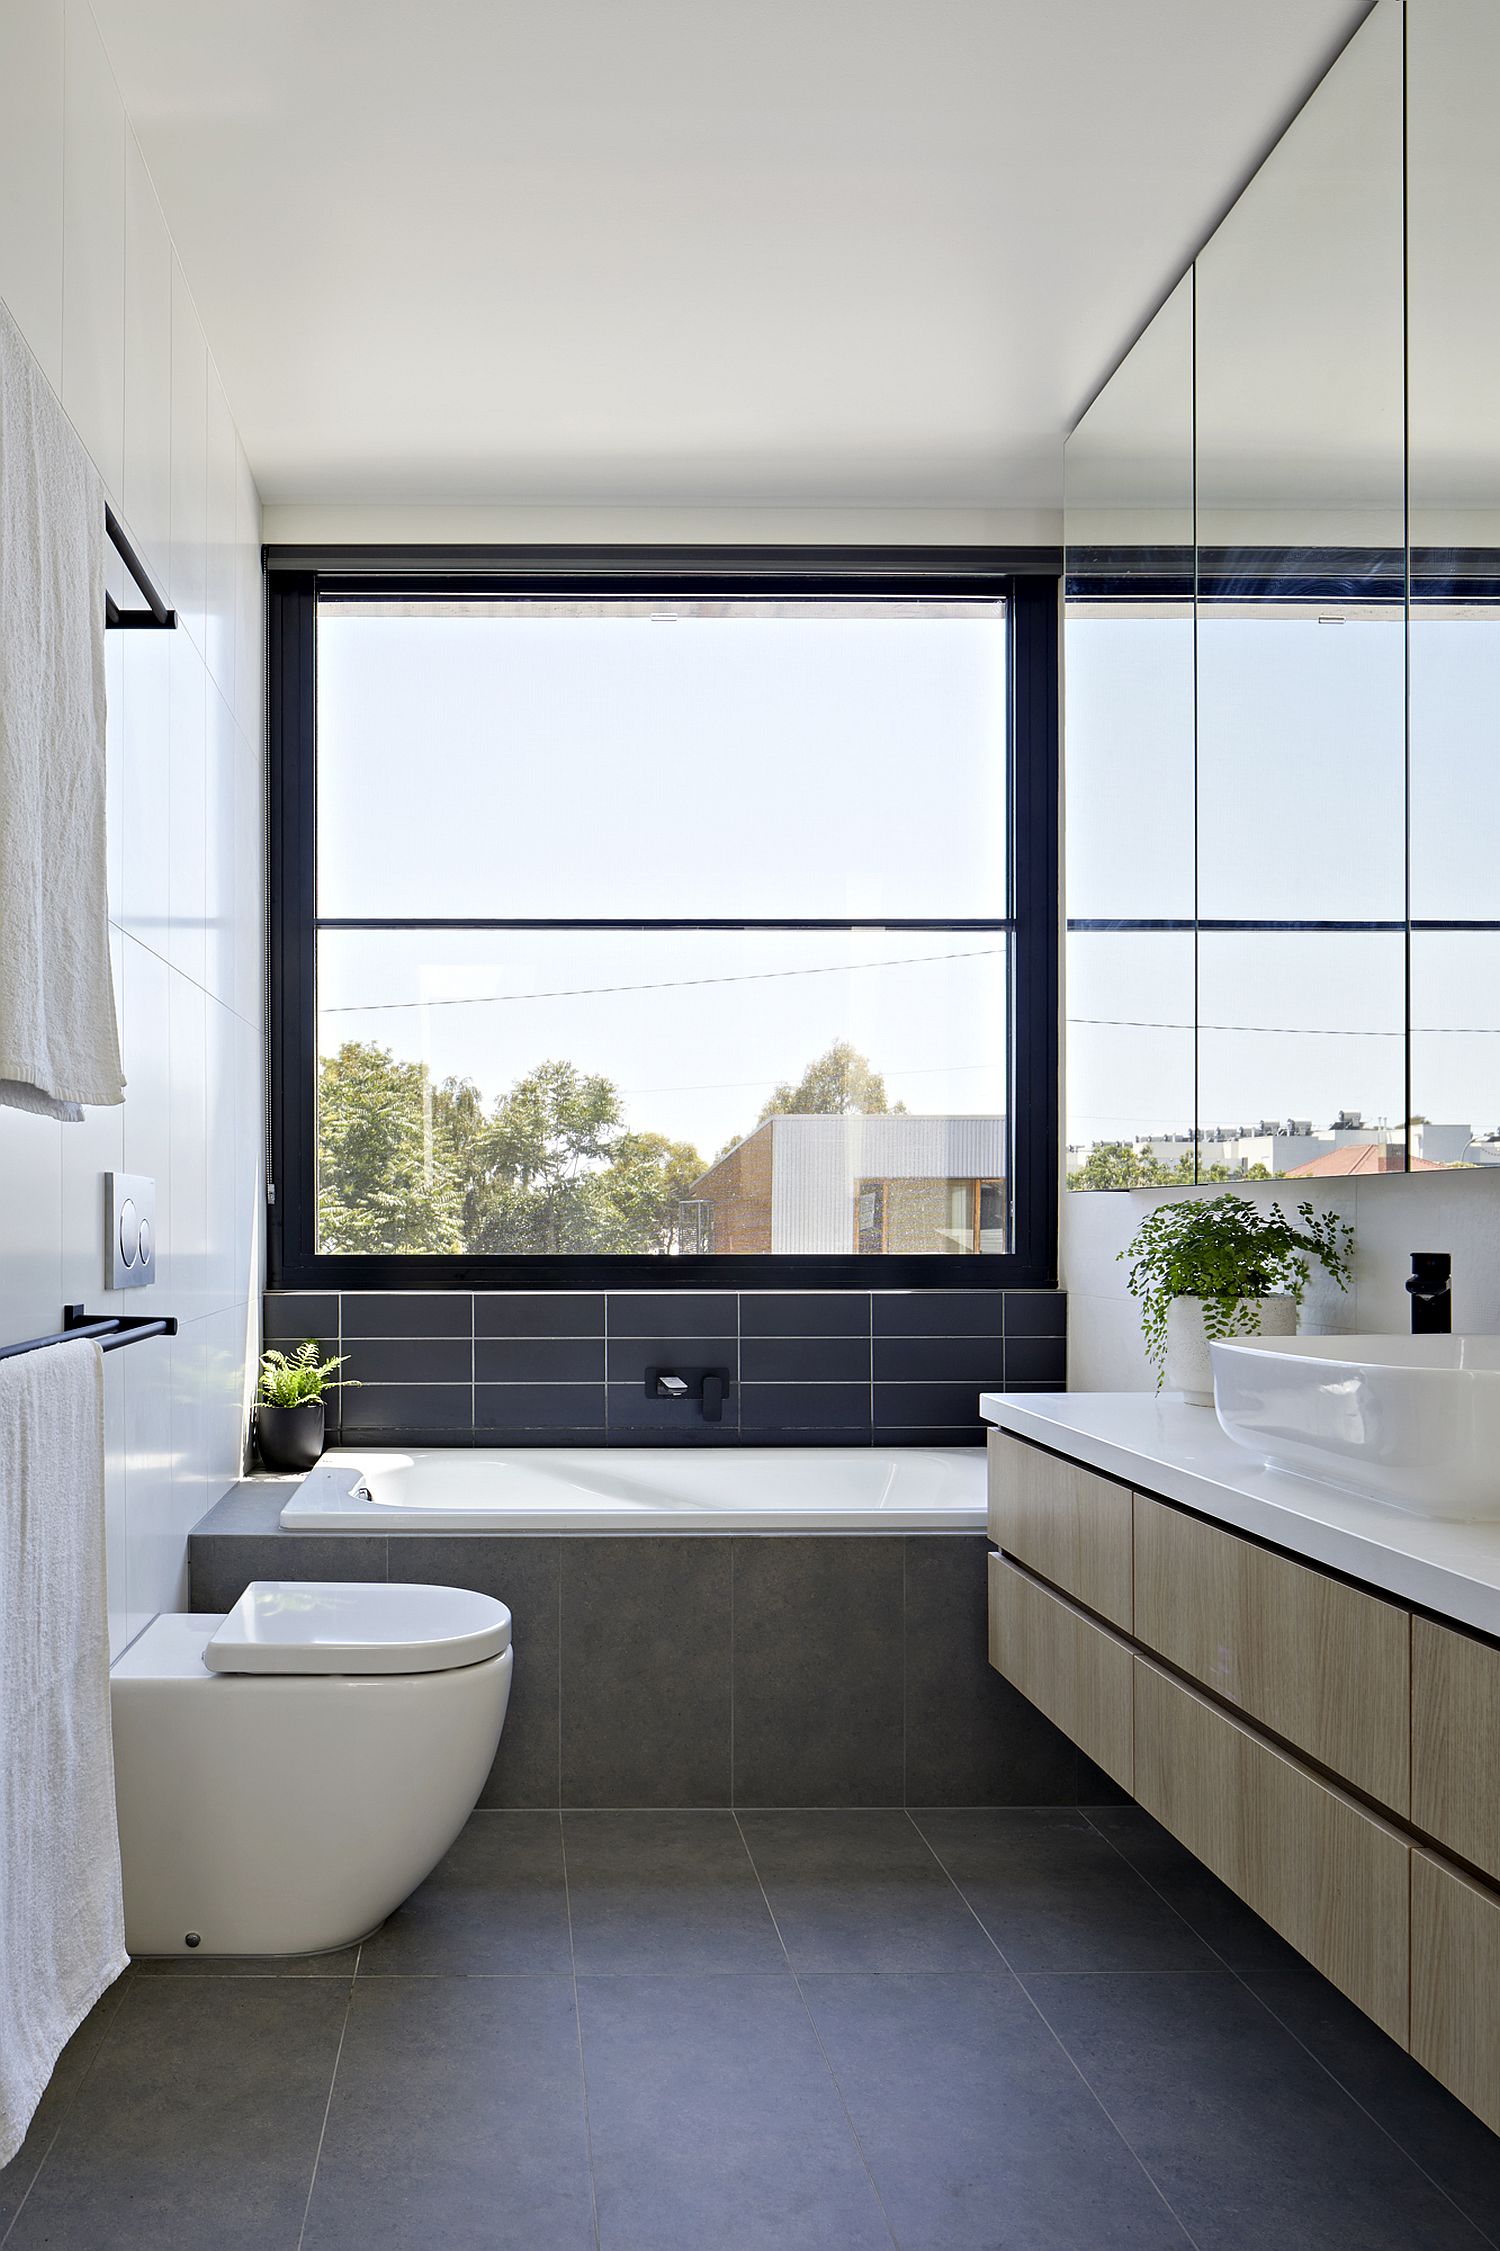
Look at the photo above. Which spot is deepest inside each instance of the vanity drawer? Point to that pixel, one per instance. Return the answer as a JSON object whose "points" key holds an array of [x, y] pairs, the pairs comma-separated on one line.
{"points": [[1331, 1877], [1455, 1742], [1322, 1664], [1070, 1667], [1062, 1522], [1455, 1981]]}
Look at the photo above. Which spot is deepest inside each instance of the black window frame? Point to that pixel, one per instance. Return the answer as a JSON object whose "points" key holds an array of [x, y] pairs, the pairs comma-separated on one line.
{"points": [[1028, 580]]}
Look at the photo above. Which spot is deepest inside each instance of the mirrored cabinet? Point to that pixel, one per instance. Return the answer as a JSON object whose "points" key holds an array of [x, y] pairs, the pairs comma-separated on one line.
{"points": [[1283, 658]]}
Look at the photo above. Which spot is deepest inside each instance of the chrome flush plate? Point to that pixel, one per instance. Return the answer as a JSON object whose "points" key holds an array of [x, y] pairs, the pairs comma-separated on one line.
{"points": [[129, 1230]]}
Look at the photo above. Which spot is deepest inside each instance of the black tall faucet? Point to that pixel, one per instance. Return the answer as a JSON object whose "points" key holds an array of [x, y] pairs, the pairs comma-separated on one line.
{"points": [[1430, 1288]]}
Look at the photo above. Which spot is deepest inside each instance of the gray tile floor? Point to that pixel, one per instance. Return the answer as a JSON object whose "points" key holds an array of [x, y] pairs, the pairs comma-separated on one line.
{"points": [[959, 2031]]}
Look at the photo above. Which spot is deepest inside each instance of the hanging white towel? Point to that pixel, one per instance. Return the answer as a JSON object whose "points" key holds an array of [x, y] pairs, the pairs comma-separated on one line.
{"points": [[59, 1042], [62, 1914]]}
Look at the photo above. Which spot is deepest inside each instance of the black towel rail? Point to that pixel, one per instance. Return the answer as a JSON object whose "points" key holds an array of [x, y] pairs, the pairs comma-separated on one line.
{"points": [[156, 615], [109, 1330]]}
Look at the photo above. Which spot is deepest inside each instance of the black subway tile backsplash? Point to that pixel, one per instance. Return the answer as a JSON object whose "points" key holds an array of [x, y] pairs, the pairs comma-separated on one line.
{"points": [[522, 1367], [938, 1313], [805, 1360], [959, 1359], [295, 1314], [702, 1313], [539, 1359], [418, 1413], [381, 1360], [805, 1313], [807, 1406], [539, 1313], [1036, 1360], [630, 1357], [408, 1313], [569, 1409]]}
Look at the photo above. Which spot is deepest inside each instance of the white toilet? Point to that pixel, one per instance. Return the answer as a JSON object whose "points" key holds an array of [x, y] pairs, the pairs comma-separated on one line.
{"points": [[286, 1775]]}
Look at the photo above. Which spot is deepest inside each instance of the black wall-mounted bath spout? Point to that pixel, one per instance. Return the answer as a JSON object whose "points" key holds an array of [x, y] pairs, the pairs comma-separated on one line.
{"points": [[1430, 1287]]}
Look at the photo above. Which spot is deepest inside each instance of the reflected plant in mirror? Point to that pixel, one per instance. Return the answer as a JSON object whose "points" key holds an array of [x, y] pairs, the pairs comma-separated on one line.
{"points": [[1205, 1270]]}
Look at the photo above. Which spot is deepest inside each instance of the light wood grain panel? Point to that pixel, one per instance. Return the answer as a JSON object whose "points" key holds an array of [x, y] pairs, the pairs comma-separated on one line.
{"points": [[1332, 1878], [1455, 1983], [1320, 1663], [1455, 1742], [1064, 1523], [1072, 1669]]}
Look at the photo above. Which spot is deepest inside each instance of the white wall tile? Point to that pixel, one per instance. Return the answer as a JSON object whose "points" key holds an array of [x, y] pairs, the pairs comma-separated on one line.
{"points": [[116, 1504], [250, 1201], [93, 360], [31, 1293], [224, 1283], [187, 810], [248, 996], [191, 1423], [221, 790], [31, 175], [249, 653], [187, 1195], [225, 1394], [146, 1119], [90, 1149], [116, 580], [145, 736], [220, 559], [1457, 1212], [148, 371], [189, 458], [155, 1571]]}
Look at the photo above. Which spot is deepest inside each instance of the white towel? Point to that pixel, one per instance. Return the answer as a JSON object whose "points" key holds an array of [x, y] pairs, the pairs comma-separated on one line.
{"points": [[62, 1912], [59, 1043]]}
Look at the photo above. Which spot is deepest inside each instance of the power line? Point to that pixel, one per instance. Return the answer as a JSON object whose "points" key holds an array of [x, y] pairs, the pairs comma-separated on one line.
{"points": [[662, 984]]}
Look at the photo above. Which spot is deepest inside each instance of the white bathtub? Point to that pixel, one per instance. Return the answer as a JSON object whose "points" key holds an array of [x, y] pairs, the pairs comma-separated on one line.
{"points": [[643, 1489]]}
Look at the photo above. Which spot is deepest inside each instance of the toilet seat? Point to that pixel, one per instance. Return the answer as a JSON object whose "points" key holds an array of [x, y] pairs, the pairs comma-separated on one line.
{"points": [[333, 1626]]}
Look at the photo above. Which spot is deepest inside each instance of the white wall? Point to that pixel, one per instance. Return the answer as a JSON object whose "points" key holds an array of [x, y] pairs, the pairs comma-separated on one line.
{"points": [[89, 271], [1392, 1215], [316, 523]]}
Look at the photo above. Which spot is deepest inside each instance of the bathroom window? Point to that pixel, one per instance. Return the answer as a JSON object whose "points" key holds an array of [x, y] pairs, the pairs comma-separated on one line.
{"points": [[678, 926]]}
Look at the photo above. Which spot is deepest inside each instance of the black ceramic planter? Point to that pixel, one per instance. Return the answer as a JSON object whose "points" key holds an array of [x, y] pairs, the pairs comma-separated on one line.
{"points": [[289, 1438]]}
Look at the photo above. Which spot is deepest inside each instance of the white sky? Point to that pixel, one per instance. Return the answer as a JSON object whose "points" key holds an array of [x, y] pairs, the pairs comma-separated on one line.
{"points": [[755, 765]]}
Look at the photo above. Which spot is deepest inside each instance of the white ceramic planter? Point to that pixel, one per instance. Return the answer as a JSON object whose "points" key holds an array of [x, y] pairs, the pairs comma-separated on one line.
{"points": [[1189, 1369]]}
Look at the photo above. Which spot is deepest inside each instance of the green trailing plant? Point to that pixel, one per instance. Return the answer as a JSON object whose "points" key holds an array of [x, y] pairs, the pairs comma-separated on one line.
{"points": [[301, 1379], [1229, 1252]]}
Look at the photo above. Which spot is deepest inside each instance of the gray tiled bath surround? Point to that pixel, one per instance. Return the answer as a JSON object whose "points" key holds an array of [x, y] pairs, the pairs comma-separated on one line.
{"points": [[568, 1368], [710, 1670]]}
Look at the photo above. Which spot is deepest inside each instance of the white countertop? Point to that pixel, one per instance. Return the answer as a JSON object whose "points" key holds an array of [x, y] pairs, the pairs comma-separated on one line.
{"points": [[1163, 1446]]}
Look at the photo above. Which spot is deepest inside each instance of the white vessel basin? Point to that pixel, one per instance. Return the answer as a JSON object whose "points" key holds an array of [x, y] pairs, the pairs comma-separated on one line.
{"points": [[1412, 1421]]}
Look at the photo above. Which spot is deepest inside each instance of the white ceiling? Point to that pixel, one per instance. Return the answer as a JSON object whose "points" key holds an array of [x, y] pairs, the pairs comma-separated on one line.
{"points": [[801, 253]]}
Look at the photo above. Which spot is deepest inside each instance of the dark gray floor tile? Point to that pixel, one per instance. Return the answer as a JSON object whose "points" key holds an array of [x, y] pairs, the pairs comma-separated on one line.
{"points": [[1252, 2143], [971, 1739], [665, 1891], [817, 1671], [646, 1636], [457, 2121], [1054, 1895], [197, 2123], [861, 1891], [340, 1963], [495, 1903], [221, 1566], [1095, 1787], [977, 2129], [1449, 2143], [253, 1505], [1234, 1931], [715, 2121], [67, 2077], [523, 1573]]}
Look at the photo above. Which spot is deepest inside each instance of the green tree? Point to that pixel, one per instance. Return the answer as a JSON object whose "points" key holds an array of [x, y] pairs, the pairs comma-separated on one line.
{"points": [[648, 1178], [1117, 1164], [839, 1081], [384, 1182]]}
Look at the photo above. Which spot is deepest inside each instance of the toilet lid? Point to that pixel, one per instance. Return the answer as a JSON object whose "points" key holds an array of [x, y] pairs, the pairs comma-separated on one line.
{"points": [[330, 1626]]}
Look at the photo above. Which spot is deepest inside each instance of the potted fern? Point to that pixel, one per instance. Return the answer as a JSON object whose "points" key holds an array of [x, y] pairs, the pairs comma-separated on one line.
{"points": [[1220, 1267], [289, 1406]]}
